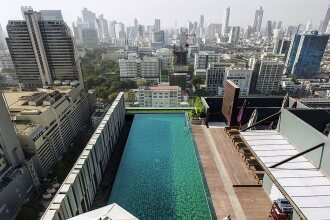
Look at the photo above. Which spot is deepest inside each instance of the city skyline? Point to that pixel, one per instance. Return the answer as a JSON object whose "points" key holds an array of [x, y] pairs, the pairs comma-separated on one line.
{"points": [[295, 12]]}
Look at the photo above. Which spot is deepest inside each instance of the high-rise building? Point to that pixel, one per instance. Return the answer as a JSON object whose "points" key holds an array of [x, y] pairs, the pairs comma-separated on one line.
{"points": [[269, 29], [42, 51], [158, 37], [201, 25], [3, 45], [247, 32], [308, 26], [225, 22], [326, 20], [309, 54], [269, 76], [103, 28], [190, 27], [292, 52], [157, 25], [234, 35], [51, 15], [279, 25], [257, 20], [89, 17]]}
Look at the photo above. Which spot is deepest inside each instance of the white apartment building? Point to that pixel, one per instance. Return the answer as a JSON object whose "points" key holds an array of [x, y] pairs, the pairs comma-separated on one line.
{"points": [[164, 57], [241, 77], [77, 192], [215, 76], [158, 96], [47, 121], [269, 76], [146, 68], [202, 59]]}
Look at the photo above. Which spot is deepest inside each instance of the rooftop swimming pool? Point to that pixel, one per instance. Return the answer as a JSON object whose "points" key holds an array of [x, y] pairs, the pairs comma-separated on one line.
{"points": [[159, 176]]}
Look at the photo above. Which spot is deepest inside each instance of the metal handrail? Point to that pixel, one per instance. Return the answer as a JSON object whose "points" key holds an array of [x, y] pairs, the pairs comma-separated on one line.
{"points": [[297, 155], [259, 122]]}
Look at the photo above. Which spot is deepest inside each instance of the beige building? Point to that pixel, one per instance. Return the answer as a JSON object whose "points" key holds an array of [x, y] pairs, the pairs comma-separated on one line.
{"points": [[47, 121], [158, 96]]}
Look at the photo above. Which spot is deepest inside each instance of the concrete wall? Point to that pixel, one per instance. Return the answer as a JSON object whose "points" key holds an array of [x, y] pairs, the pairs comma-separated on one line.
{"points": [[76, 194], [302, 136]]}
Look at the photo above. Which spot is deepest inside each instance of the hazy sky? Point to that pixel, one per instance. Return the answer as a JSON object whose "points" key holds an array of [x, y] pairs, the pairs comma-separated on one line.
{"points": [[242, 11]]}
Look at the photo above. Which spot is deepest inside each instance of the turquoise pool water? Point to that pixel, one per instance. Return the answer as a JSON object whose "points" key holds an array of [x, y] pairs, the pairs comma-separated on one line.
{"points": [[159, 176]]}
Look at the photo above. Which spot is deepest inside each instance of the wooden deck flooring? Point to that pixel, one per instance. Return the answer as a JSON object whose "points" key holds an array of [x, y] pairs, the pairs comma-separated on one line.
{"points": [[216, 187], [237, 169], [253, 200]]}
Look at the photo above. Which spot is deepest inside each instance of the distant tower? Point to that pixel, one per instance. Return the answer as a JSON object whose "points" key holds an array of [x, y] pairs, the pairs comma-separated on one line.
{"points": [[136, 24], [279, 25], [157, 25], [225, 23], [308, 25], [326, 20], [258, 20], [201, 25], [269, 29]]}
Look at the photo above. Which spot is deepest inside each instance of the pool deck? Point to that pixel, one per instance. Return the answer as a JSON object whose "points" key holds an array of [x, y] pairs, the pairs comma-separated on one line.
{"points": [[231, 184]]}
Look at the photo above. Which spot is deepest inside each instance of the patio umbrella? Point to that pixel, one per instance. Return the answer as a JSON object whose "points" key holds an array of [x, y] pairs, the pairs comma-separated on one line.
{"points": [[253, 118]]}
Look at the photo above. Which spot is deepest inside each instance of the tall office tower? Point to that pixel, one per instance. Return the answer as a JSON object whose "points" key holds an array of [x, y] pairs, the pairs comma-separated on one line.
{"points": [[51, 15], [136, 23], [274, 25], [195, 28], [284, 49], [42, 51], [234, 35], [89, 17], [326, 20], [103, 28], [308, 26], [279, 25], [247, 32], [292, 52], [3, 45], [157, 25], [257, 20], [269, 76], [225, 22], [201, 25], [190, 27], [269, 29], [309, 54]]}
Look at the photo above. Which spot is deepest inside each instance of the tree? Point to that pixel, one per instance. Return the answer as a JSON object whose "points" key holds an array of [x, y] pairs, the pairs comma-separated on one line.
{"points": [[113, 96], [141, 82]]}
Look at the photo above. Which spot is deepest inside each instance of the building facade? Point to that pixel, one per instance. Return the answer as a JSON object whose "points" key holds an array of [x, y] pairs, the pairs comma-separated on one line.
{"points": [[42, 51], [147, 68], [241, 77], [270, 73], [215, 76], [77, 192], [47, 121], [309, 55], [257, 20], [202, 59], [158, 96]]}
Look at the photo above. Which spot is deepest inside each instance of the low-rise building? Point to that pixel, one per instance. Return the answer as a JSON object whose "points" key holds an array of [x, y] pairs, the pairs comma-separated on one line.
{"points": [[158, 96], [47, 121], [269, 76]]}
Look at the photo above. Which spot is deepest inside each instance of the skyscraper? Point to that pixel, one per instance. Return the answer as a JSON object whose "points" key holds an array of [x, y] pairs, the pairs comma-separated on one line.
{"points": [[269, 29], [201, 25], [89, 17], [157, 25], [3, 45], [234, 35], [292, 52], [326, 20], [279, 25], [102, 27], [309, 54], [42, 51], [225, 21], [258, 20]]}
